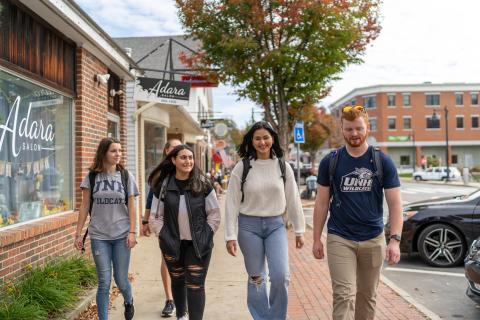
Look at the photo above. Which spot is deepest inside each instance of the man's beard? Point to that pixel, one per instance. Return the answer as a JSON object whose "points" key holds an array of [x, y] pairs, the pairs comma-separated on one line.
{"points": [[357, 143]]}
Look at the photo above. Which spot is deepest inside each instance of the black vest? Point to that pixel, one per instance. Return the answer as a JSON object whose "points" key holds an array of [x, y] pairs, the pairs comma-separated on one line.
{"points": [[202, 234]]}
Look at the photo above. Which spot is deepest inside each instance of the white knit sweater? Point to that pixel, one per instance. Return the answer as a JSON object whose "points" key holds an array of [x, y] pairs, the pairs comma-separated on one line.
{"points": [[265, 195]]}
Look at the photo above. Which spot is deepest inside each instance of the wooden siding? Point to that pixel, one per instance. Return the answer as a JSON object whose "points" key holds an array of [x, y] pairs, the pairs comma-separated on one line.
{"points": [[31, 44]]}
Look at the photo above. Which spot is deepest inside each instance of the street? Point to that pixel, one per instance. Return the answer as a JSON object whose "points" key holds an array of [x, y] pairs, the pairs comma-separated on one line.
{"points": [[442, 290]]}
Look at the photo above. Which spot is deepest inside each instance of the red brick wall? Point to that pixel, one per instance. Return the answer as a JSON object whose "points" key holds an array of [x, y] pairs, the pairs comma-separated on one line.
{"points": [[36, 242]]}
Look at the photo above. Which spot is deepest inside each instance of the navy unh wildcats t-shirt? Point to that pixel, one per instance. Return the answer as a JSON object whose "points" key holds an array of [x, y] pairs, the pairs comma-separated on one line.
{"points": [[356, 210]]}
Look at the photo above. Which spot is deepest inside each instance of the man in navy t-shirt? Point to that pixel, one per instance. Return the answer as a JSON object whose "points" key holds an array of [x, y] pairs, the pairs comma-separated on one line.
{"points": [[356, 245]]}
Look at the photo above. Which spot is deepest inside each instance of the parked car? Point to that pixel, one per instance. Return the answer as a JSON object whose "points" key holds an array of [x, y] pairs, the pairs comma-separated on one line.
{"points": [[437, 173], [441, 229], [472, 271]]}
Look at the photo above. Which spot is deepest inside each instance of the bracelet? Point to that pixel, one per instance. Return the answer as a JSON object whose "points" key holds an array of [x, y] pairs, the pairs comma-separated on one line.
{"points": [[133, 232]]}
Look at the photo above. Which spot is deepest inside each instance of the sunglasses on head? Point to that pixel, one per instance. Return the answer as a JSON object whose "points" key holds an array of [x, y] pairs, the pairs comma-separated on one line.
{"points": [[350, 108]]}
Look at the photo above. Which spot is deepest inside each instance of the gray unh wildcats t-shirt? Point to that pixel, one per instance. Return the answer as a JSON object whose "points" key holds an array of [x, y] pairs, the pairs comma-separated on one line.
{"points": [[109, 220]]}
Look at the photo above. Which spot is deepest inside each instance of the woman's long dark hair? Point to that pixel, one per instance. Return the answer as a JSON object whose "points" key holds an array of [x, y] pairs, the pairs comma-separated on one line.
{"points": [[197, 180], [246, 149], [101, 153]]}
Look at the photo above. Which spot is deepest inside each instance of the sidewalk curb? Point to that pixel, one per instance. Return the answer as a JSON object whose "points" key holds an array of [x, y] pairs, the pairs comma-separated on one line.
{"points": [[82, 305], [402, 293], [442, 183]]}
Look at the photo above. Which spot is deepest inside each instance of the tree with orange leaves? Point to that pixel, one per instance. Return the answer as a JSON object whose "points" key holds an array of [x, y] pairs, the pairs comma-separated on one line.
{"points": [[279, 53]]}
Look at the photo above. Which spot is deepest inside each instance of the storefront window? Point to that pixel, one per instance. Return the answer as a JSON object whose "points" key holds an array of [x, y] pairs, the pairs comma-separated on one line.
{"points": [[154, 144], [35, 151]]}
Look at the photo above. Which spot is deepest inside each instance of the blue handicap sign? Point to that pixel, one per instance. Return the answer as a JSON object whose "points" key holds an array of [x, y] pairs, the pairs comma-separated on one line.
{"points": [[298, 133]]}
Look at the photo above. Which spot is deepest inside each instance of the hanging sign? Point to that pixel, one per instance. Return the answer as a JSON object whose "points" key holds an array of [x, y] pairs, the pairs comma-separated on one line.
{"points": [[162, 91]]}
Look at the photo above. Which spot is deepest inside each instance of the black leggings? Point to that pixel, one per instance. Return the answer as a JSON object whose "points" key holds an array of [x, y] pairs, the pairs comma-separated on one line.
{"points": [[188, 280]]}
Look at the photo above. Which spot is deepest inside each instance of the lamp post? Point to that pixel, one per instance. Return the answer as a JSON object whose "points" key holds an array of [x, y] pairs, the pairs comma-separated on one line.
{"points": [[447, 153], [414, 162]]}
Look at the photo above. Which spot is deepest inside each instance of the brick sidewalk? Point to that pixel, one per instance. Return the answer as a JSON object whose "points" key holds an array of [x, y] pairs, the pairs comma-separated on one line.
{"points": [[310, 291]]}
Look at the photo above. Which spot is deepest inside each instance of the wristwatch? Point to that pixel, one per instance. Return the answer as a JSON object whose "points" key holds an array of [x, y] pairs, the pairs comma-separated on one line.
{"points": [[144, 222], [395, 237]]}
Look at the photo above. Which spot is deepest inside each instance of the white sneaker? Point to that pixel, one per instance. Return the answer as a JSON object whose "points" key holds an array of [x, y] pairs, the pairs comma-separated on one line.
{"points": [[185, 317]]}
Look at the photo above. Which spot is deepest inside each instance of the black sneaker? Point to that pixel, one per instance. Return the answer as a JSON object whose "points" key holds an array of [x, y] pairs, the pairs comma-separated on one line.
{"points": [[129, 310], [169, 309]]}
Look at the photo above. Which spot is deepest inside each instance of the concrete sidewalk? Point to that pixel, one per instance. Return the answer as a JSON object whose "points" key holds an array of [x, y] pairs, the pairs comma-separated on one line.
{"points": [[309, 295]]}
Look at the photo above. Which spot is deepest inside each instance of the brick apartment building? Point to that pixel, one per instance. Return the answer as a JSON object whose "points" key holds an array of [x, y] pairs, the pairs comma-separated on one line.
{"points": [[408, 121], [56, 103]]}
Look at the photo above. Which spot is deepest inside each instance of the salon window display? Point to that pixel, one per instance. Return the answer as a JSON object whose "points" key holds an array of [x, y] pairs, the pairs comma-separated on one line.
{"points": [[35, 151]]}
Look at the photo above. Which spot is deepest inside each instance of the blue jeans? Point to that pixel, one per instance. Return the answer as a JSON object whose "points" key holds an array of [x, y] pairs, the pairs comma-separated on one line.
{"points": [[265, 239], [105, 254]]}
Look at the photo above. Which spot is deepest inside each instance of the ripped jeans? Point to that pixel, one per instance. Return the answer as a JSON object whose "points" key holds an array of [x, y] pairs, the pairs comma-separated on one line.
{"points": [[108, 253], [188, 280], [264, 239]]}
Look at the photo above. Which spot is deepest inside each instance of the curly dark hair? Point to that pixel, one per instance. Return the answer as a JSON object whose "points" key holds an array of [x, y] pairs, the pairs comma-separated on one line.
{"points": [[198, 182], [246, 149]]}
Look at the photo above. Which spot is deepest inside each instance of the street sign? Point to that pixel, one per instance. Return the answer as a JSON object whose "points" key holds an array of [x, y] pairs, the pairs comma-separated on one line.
{"points": [[399, 138], [207, 123], [298, 132]]}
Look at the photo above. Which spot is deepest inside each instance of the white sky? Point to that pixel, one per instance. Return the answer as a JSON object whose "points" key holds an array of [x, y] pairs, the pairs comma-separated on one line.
{"points": [[421, 40]]}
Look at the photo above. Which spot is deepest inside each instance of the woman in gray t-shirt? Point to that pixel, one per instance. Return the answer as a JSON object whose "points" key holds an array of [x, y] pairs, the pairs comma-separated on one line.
{"points": [[112, 222]]}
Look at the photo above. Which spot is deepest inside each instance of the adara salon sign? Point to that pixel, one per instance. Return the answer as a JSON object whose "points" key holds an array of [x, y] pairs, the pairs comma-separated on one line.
{"points": [[21, 131], [162, 91]]}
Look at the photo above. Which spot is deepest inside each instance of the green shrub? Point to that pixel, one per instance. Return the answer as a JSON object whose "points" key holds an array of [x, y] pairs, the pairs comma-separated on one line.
{"points": [[405, 175], [20, 308], [46, 291]]}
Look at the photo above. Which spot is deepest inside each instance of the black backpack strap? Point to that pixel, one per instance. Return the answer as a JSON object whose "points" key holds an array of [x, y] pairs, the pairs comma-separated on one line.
{"points": [[281, 163], [124, 174], [246, 168], [332, 167], [377, 163], [91, 179]]}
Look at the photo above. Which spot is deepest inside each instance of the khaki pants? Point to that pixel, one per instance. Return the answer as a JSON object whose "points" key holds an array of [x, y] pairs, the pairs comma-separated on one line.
{"points": [[355, 271]]}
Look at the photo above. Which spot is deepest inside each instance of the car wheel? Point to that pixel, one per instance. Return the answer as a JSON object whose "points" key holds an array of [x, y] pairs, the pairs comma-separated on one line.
{"points": [[440, 245], [418, 178]]}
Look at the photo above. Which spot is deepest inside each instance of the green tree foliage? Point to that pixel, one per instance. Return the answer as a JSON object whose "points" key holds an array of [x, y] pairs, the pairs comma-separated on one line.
{"points": [[279, 53]]}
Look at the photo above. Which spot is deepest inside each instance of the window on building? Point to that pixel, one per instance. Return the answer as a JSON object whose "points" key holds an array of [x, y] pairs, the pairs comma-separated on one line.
{"points": [[407, 123], [35, 169], [459, 99], [353, 102], [114, 93], [459, 122], [454, 158], [392, 123], [474, 122], [404, 160], [474, 98], [391, 100], [432, 99], [113, 126], [406, 100], [433, 123], [369, 102], [373, 124]]}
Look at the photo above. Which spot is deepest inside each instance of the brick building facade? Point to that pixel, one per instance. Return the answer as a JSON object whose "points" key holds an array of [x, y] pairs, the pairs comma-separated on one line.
{"points": [[55, 84], [408, 121]]}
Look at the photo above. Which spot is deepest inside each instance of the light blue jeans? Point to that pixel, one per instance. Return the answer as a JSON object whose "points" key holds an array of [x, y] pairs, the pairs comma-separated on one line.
{"points": [[105, 254], [264, 239]]}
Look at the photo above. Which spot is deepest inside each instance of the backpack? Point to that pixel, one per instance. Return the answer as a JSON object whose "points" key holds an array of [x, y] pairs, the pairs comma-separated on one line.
{"points": [[91, 178], [375, 158], [246, 169]]}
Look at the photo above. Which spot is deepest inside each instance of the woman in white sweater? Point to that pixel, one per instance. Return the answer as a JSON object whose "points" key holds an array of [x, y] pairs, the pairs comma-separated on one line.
{"points": [[254, 216]]}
